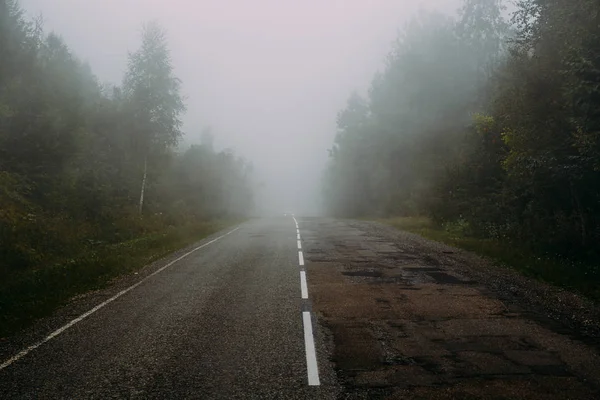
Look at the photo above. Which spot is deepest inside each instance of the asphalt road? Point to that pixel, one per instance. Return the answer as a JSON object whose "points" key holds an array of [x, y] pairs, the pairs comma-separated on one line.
{"points": [[393, 316], [224, 322]]}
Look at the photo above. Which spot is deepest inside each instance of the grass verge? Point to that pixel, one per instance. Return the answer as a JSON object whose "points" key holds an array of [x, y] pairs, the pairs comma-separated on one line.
{"points": [[572, 275], [35, 293]]}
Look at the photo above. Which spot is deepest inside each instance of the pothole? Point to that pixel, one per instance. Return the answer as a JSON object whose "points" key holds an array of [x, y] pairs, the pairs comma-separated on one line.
{"points": [[364, 273]]}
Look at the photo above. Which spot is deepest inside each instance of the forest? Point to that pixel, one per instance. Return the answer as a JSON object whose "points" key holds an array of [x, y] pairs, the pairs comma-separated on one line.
{"points": [[89, 169], [487, 124]]}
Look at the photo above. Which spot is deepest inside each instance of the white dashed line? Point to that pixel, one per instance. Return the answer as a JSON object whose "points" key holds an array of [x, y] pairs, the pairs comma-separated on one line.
{"points": [[57, 332], [312, 369], [303, 286], [311, 356]]}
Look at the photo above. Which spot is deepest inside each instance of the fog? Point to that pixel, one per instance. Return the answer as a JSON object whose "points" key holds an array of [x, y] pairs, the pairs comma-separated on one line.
{"points": [[140, 137], [268, 76]]}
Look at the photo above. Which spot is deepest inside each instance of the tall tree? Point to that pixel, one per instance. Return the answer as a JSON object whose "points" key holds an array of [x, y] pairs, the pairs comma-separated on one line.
{"points": [[155, 100], [72, 152]]}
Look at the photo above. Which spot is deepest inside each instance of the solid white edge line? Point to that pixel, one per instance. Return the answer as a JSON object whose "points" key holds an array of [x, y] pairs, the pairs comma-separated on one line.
{"points": [[57, 332], [303, 286], [299, 245], [301, 258], [311, 356]]}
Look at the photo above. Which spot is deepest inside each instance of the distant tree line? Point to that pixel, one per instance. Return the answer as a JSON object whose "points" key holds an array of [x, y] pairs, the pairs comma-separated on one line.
{"points": [[82, 163], [488, 121]]}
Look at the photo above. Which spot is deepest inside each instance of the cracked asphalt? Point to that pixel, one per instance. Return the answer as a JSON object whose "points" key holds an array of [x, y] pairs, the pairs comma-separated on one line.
{"points": [[395, 316], [415, 319]]}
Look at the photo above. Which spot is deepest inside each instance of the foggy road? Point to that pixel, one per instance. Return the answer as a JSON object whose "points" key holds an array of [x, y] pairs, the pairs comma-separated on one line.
{"points": [[338, 132], [226, 322], [313, 309]]}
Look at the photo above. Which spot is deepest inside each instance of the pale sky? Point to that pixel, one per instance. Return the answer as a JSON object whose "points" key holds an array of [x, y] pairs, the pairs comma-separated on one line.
{"points": [[268, 75]]}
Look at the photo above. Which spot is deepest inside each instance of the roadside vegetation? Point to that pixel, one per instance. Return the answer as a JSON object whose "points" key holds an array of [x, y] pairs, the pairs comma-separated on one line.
{"points": [[36, 292], [94, 181], [577, 276], [486, 124]]}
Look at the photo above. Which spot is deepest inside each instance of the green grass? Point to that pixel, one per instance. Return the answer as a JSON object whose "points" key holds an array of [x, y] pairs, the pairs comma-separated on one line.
{"points": [[35, 293], [569, 274]]}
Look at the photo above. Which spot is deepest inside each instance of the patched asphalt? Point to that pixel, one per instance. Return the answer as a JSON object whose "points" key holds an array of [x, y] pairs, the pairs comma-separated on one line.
{"points": [[415, 319], [395, 316]]}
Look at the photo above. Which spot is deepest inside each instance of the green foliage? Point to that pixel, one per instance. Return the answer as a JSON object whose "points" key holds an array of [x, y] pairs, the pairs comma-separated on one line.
{"points": [[551, 268], [391, 147], [489, 126], [73, 156], [152, 92], [34, 293]]}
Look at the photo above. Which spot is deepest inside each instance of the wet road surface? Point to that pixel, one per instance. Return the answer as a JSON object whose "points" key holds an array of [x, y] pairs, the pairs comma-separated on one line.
{"points": [[393, 316], [224, 322], [409, 321]]}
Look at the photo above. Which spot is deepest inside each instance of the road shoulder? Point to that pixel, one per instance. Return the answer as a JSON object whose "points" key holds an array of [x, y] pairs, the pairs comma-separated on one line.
{"points": [[80, 304]]}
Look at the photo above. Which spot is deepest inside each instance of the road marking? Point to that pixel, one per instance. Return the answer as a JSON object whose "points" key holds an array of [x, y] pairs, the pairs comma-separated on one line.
{"points": [[303, 286], [311, 357], [57, 332], [312, 369]]}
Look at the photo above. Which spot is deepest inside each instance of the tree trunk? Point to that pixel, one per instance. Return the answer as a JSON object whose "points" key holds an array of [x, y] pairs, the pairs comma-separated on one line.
{"points": [[143, 184]]}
